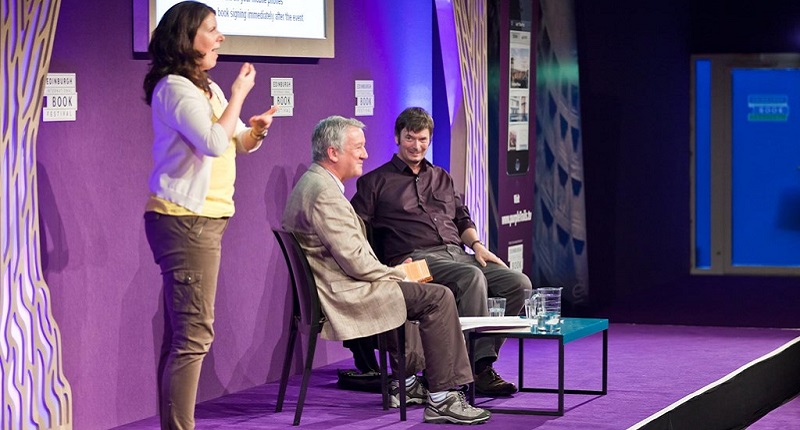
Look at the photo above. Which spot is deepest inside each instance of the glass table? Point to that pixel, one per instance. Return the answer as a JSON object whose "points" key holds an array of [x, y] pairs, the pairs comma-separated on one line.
{"points": [[571, 329]]}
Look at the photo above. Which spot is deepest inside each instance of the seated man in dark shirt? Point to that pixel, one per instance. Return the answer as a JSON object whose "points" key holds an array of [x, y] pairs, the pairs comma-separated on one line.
{"points": [[415, 212]]}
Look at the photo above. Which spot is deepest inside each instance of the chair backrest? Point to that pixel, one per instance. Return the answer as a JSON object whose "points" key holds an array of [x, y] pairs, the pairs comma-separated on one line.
{"points": [[304, 287], [374, 241]]}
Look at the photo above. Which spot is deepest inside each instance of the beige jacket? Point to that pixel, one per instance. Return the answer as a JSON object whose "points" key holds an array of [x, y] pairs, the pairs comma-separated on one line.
{"points": [[359, 295]]}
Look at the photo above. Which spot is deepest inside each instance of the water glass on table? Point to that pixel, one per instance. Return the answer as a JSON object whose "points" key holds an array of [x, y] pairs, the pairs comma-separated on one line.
{"points": [[497, 306], [549, 302]]}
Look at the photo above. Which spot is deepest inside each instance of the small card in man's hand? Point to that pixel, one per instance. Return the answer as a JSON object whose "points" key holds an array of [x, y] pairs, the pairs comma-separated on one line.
{"points": [[417, 271]]}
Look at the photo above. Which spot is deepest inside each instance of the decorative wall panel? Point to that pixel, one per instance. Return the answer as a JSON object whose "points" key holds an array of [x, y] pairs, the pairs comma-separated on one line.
{"points": [[470, 18], [35, 392], [559, 214]]}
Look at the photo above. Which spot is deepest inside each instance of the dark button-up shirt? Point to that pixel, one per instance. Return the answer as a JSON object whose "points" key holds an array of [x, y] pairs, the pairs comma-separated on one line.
{"points": [[408, 211]]}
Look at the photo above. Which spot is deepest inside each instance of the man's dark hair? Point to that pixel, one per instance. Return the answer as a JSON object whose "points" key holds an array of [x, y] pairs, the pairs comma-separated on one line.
{"points": [[413, 119]]}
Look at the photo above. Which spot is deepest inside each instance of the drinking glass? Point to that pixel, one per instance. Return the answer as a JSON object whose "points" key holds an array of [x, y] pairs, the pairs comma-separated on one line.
{"points": [[548, 301], [497, 306]]}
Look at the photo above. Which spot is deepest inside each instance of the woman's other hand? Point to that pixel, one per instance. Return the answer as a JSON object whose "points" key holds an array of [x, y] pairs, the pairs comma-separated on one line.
{"points": [[261, 123]]}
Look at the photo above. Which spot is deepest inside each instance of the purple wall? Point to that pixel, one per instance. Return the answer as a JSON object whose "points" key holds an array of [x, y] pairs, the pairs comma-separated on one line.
{"points": [[635, 77], [92, 188]]}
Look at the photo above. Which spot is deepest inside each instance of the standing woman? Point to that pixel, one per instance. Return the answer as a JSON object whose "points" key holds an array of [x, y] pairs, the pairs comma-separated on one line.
{"points": [[197, 133]]}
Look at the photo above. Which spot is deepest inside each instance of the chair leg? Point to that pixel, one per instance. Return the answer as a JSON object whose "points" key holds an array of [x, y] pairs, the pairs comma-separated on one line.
{"points": [[287, 364], [312, 345], [383, 369], [401, 371]]}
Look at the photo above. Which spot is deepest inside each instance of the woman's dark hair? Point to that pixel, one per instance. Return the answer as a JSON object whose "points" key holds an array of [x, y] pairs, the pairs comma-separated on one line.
{"points": [[172, 47]]}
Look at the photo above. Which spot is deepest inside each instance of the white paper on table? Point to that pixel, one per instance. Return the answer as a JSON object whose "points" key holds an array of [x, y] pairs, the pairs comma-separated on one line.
{"points": [[469, 323]]}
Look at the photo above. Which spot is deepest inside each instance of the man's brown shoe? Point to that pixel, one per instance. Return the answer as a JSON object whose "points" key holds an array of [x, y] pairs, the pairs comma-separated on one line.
{"points": [[489, 383]]}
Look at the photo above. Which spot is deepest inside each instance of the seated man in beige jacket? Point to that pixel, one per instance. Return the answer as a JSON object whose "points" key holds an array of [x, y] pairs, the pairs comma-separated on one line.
{"points": [[359, 295]]}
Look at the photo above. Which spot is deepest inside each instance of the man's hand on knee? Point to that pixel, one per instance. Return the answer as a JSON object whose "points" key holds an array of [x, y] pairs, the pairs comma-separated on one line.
{"points": [[483, 256]]}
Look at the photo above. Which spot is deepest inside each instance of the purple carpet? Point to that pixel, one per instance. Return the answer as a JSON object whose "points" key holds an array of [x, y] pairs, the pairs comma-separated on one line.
{"points": [[649, 368], [785, 417]]}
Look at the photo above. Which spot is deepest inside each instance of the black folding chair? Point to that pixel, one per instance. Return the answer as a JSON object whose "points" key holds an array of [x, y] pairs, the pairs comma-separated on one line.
{"points": [[306, 310]]}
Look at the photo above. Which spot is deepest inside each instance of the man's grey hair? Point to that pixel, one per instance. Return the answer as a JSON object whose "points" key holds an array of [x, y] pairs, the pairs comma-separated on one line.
{"points": [[331, 132]]}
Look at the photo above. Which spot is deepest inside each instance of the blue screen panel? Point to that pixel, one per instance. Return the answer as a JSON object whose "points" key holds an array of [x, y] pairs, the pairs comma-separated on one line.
{"points": [[702, 168], [766, 168]]}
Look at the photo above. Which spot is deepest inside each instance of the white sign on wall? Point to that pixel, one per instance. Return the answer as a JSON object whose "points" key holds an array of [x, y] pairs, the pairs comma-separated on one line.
{"points": [[365, 98], [60, 97], [282, 92], [515, 257]]}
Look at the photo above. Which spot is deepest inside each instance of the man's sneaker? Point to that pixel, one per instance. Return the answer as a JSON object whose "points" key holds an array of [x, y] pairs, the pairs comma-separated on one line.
{"points": [[454, 409], [416, 394], [489, 383]]}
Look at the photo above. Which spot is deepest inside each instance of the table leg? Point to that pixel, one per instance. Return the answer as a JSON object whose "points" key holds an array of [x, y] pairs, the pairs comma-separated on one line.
{"points": [[605, 362], [561, 376], [519, 362]]}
